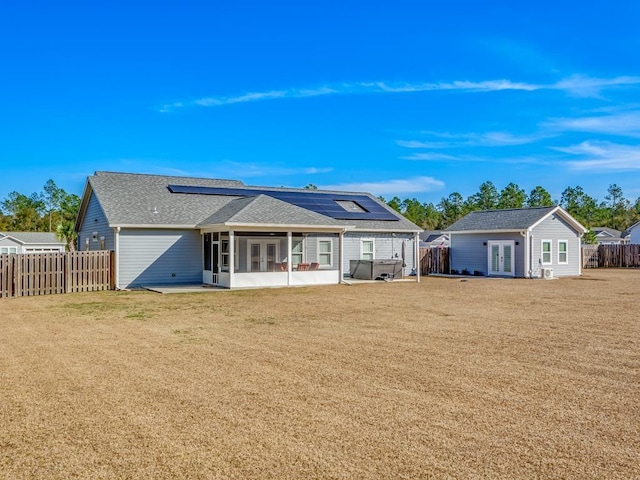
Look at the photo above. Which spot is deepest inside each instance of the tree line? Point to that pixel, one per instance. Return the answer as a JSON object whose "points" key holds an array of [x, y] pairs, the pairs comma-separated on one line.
{"points": [[54, 210], [614, 212], [49, 210]]}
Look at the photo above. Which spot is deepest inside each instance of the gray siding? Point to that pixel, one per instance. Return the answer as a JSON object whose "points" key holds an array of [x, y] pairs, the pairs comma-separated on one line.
{"points": [[159, 257], [312, 248], [385, 247], [9, 242], [468, 250], [95, 221], [555, 228]]}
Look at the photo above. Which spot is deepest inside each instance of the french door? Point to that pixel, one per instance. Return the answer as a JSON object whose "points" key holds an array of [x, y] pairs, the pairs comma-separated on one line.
{"points": [[501, 257], [263, 255]]}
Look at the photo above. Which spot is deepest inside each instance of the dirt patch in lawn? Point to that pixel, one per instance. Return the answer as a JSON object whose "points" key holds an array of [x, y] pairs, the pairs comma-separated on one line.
{"points": [[444, 379]]}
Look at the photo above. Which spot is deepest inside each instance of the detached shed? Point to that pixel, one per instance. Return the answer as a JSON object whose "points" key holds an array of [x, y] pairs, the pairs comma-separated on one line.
{"points": [[518, 242]]}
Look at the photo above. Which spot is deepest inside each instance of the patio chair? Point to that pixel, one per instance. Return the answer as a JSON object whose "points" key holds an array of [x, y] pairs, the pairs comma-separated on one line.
{"points": [[283, 266], [314, 266], [303, 266]]}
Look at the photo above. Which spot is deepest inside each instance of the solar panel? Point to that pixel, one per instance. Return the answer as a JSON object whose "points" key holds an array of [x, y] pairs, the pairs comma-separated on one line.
{"points": [[323, 203]]}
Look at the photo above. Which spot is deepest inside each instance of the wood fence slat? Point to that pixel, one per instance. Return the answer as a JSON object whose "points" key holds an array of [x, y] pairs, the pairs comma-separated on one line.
{"points": [[434, 260], [611, 256], [55, 272]]}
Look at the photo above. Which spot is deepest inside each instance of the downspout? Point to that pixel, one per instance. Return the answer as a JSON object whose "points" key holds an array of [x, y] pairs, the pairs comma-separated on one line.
{"points": [[530, 255], [524, 235], [580, 259], [232, 257], [341, 256], [289, 261], [116, 262], [416, 255]]}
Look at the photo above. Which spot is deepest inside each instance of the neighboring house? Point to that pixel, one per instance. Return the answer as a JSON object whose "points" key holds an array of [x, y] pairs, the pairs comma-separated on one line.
{"points": [[610, 236], [177, 230], [434, 238], [520, 242], [634, 233], [30, 242]]}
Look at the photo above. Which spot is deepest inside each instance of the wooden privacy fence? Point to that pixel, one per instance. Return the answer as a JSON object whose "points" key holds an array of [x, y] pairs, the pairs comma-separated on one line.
{"points": [[605, 256], [434, 260], [57, 272]]}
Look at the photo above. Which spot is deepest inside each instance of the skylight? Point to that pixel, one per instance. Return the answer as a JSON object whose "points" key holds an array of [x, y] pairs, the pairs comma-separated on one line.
{"points": [[350, 206]]}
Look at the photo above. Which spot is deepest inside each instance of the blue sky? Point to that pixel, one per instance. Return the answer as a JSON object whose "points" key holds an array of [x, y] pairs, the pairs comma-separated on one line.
{"points": [[407, 98]]}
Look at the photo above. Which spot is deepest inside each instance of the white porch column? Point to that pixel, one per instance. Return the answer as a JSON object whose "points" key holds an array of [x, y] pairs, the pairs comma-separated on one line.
{"points": [[232, 257], [341, 256], [416, 255], [289, 262]]}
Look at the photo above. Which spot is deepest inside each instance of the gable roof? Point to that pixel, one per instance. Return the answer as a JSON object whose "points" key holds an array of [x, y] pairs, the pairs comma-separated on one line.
{"points": [[33, 238], [139, 200], [431, 235], [608, 232], [510, 220], [266, 210]]}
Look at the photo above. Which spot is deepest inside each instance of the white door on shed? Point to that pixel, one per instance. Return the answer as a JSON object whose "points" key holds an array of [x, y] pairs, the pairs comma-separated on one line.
{"points": [[501, 257]]}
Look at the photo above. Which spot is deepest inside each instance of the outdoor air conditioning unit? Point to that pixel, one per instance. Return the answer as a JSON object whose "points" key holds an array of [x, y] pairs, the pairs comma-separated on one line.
{"points": [[547, 273]]}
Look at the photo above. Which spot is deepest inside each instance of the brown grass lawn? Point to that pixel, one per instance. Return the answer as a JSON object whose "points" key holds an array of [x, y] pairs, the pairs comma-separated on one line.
{"points": [[446, 379]]}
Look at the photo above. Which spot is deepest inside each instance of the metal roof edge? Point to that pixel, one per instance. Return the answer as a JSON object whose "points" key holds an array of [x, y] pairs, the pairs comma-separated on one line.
{"points": [[385, 230], [275, 226], [148, 226], [500, 230]]}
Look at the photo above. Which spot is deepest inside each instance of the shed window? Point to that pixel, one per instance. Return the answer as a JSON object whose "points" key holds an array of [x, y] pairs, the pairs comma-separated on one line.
{"points": [[563, 254]]}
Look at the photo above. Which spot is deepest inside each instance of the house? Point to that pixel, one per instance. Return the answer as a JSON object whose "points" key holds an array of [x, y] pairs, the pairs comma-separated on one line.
{"points": [[30, 242], [634, 233], [519, 242], [177, 230], [434, 239], [610, 236]]}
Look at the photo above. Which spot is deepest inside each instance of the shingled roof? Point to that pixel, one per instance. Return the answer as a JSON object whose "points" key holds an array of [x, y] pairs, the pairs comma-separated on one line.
{"points": [[263, 209], [513, 219], [33, 238], [140, 200]]}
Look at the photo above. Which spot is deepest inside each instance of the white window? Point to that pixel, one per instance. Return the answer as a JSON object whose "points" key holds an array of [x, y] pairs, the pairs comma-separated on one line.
{"points": [[6, 250], [367, 249], [546, 252], [224, 254], [563, 251], [297, 251], [325, 253]]}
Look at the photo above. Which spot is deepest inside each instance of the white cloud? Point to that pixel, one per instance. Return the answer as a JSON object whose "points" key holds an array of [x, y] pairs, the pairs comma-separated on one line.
{"points": [[244, 170], [583, 86], [393, 187], [627, 124], [603, 156], [577, 85], [315, 170], [419, 144], [433, 157], [487, 139]]}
